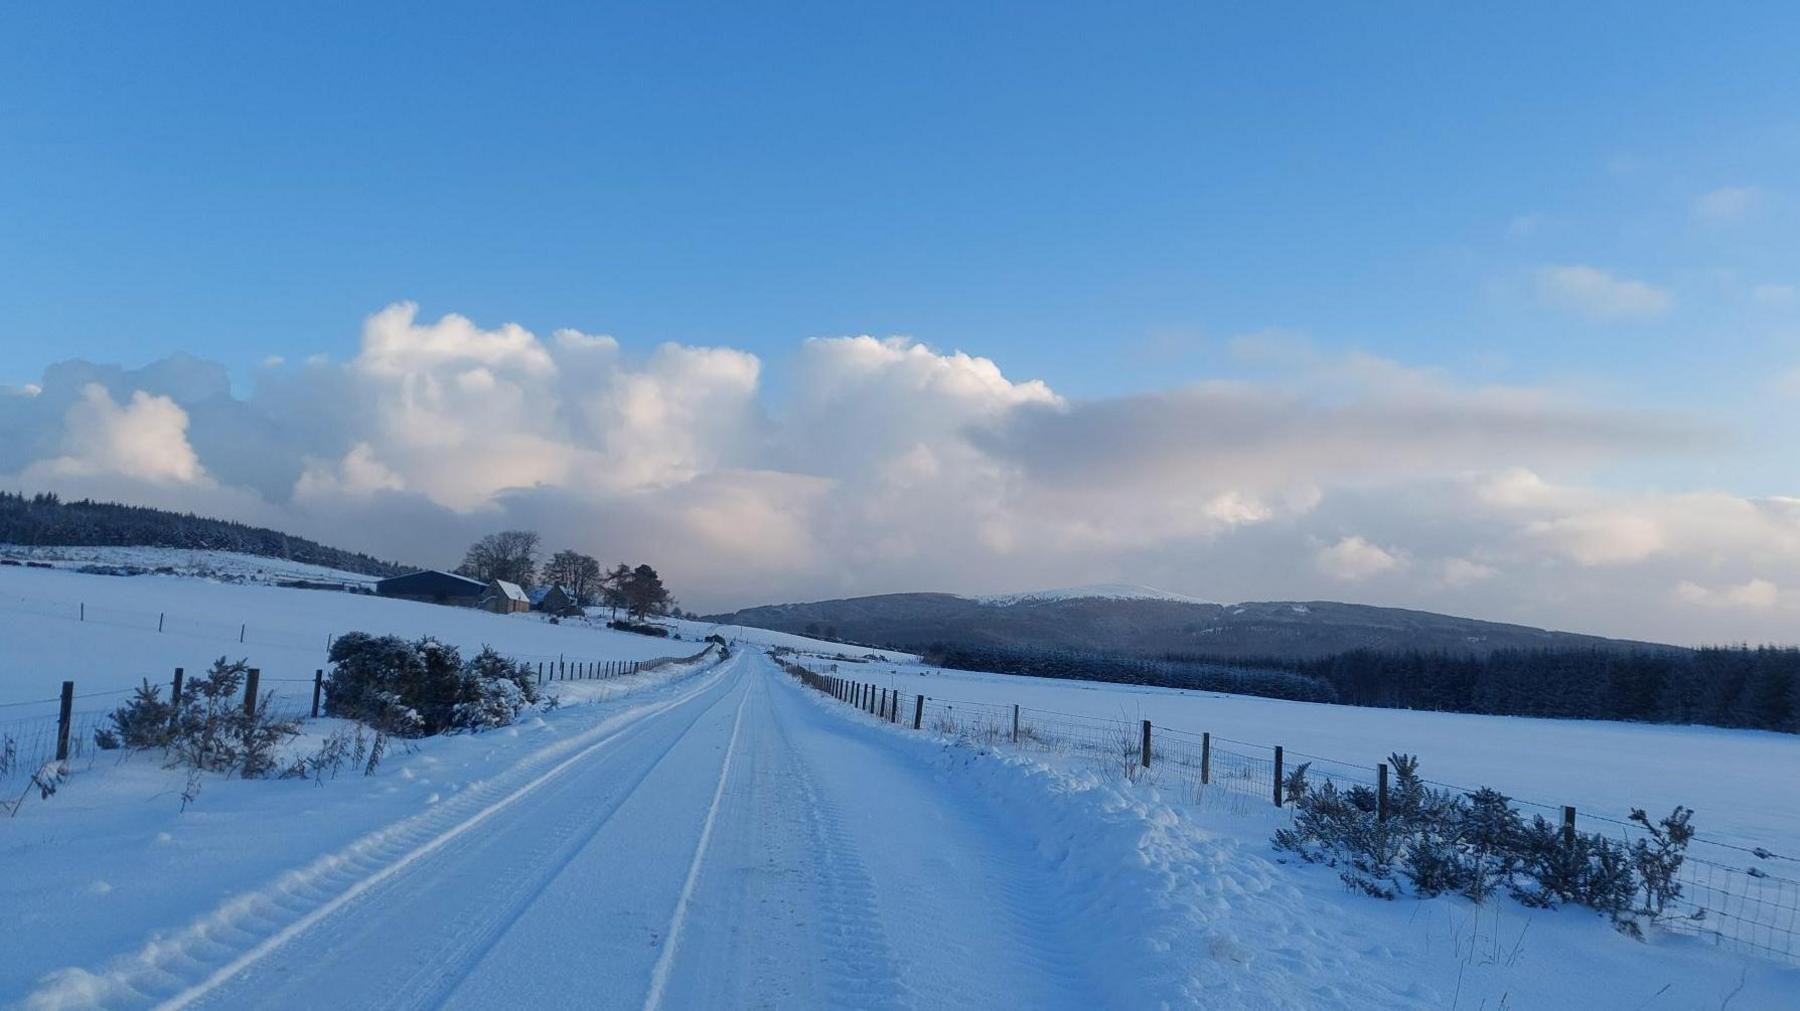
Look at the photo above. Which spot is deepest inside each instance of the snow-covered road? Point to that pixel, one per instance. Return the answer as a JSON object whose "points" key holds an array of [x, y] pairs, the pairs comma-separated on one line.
{"points": [[733, 844]]}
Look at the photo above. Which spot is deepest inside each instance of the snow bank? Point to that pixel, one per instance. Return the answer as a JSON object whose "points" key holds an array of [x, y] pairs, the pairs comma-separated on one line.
{"points": [[1740, 782], [113, 854], [1185, 896]]}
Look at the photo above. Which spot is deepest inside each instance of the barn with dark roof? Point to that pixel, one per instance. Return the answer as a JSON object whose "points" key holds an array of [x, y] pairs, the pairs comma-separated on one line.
{"points": [[432, 586]]}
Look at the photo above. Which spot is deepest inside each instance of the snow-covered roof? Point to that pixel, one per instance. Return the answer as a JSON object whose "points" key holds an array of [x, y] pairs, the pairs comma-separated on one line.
{"points": [[512, 591], [539, 593]]}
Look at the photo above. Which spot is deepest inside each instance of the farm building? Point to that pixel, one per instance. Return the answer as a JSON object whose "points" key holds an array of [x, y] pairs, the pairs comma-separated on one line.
{"points": [[433, 587], [554, 600], [502, 597]]}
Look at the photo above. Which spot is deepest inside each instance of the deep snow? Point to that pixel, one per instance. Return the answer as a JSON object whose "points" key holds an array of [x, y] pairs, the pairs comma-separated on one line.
{"points": [[101, 632], [725, 837], [1743, 784], [733, 839]]}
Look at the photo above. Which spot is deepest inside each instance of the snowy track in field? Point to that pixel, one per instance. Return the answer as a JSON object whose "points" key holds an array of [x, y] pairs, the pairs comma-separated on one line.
{"points": [[733, 844]]}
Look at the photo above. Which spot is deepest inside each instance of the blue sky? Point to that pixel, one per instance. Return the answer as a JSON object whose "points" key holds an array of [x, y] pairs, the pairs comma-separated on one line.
{"points": [[1029, 182], [1599, 203]]}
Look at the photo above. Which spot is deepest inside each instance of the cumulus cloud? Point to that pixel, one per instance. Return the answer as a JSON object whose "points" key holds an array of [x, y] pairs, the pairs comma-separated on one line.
{"points": [[1598, 294], [1754, 594], [1460, 572], [886, 465], [1353, 559], [144, 439]]}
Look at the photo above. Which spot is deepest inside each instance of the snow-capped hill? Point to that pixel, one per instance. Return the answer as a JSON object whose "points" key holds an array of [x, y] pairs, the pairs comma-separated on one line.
{"points": [[1098, 591], [224, 566]]}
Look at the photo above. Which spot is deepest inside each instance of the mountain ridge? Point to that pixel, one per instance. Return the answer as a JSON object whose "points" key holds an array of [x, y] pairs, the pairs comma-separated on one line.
{"points": [[1153, 625]]}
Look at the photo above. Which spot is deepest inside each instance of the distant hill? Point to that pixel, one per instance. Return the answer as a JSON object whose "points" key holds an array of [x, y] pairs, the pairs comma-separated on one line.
{"points": [[43, 520], [1133, 620]]}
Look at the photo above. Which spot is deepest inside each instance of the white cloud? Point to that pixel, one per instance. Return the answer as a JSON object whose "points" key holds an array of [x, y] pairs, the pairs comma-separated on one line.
{"points": [[1353, 559], [887, 465], [1460, 572], [1727, 204], [1598, 294], [1604, 537], [145, 439], [1755, 594]]}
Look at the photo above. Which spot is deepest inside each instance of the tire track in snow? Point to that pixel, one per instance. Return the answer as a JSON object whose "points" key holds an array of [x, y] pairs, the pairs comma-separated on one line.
{"points": [[659, 976], [860, 959], [250, 926], [975, 872], [527, 878]]}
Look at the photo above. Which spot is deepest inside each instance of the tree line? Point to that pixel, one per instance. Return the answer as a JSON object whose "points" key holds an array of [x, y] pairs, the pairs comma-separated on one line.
{"points": [[45, 519], [1738, 686], [512, 555], [1194, 675], [1727, 686]]}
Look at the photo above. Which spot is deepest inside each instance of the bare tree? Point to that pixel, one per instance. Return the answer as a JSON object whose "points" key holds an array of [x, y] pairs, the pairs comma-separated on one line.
{"points": [[612, 587], [510, 555], [575, 572]]}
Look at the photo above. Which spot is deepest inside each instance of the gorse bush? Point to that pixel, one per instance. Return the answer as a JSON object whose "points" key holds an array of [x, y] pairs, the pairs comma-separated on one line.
{"points": [[209, 729], [422, 687], [1476, 845]]}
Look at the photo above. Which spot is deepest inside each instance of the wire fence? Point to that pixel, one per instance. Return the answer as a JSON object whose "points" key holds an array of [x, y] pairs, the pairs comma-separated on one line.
{"points": [[1741, 897]]}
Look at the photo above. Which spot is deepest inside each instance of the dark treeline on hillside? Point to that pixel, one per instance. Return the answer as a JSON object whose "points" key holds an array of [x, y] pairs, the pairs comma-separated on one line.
{"points": [[1194, 674], [45, 520], [1756, 688]]}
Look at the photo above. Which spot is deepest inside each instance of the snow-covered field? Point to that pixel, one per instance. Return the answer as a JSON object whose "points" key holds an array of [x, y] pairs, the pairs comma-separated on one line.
{"points": [[101, 632], [765, 637], [1743, 784], [728, 838], [716, 835], [225, 565]]}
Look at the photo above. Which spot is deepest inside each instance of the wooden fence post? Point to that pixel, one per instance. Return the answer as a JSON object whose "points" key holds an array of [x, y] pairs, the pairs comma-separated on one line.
{"points": [[1381, 792], [241, 630], [83, 616], [159, 620], [1205, 758], [540, 672], [62, 721], [250, 684], [1568, 826], [318, 688], [894, 708], [1144, 749], [918, 711], [175, 697], [1015, 723], [1277, 775]]}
